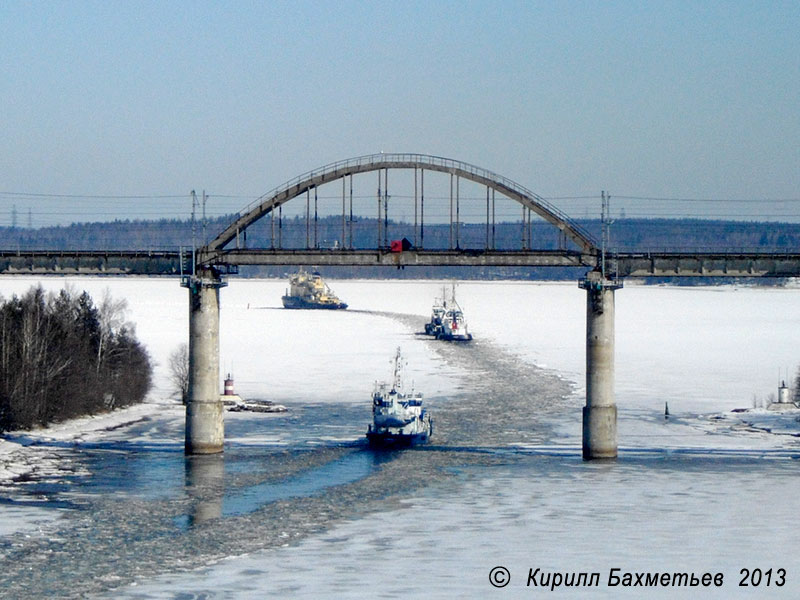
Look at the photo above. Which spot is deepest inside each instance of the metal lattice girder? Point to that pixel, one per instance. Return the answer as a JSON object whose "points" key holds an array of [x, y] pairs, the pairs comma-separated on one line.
{"points": [[376, 162]]}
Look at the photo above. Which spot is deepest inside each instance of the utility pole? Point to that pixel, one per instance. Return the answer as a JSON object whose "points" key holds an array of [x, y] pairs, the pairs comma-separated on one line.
{"points": [[605, 224], [205, 240], [194, 242]]}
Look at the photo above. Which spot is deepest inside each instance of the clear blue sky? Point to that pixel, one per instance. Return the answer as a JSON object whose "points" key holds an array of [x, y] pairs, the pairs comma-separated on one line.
{"points": [[658, 99]]}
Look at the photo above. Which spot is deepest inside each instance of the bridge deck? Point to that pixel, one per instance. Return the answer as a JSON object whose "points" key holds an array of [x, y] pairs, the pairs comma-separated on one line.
{"points": [[86, 262], [707, 264], [464, 258], [632, 264]]}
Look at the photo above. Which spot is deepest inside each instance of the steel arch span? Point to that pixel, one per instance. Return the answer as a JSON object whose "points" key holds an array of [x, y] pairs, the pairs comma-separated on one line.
{"points": [[375, 162]]}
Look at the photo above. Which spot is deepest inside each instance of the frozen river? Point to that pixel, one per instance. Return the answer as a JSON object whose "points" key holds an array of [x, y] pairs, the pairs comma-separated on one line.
{"points": [[299, 507]]}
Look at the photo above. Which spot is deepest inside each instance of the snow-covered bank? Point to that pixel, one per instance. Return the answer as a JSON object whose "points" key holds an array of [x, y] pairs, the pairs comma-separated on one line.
{"points": [[760, 421], [45, 455], [34, 454]]}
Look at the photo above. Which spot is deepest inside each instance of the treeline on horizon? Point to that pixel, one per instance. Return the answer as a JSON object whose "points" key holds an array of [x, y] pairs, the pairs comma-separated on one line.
{"points": [[626, 235], [62, 357]]}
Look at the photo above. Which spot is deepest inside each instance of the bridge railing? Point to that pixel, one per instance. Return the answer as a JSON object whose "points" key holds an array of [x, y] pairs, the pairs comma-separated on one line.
{"points": [[704, 250], [346, 165]]}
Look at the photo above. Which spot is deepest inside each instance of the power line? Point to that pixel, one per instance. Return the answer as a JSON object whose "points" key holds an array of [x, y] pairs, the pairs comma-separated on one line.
{"points": [[18, 194], [95, 197]]}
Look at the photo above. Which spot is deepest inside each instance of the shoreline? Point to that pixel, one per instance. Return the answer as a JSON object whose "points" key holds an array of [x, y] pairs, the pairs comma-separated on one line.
{"points": [[25, 455]]}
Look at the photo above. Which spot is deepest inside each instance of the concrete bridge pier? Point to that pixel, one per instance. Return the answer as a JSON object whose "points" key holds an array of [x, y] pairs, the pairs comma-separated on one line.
{"points": [[600, 412], [205, 429]]}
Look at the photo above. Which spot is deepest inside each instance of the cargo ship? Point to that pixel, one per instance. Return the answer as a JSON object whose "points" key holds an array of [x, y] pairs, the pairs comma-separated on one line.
{"points": [[398, 418], [308, 290]]}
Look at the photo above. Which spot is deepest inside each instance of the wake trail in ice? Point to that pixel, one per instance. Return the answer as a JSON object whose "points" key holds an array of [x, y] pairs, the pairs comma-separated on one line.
{"points": [[502, 401]]}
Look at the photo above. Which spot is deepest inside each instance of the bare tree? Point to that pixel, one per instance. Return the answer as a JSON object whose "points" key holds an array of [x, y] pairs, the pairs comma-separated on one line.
{"points": [[111, 315], [179, 371]]}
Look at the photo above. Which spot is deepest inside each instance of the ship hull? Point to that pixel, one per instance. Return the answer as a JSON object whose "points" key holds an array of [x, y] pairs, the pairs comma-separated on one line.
{"points": [[387, 439], [455, 338], [300, 303]]}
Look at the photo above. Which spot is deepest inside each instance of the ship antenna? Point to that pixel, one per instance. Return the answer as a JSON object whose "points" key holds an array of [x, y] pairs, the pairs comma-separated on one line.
{"points": [[397, 368]]}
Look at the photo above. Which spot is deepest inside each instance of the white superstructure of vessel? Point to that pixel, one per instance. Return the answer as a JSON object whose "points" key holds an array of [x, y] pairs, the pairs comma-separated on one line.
{"points": [[398, 418], [308, 290], [447, 320]]}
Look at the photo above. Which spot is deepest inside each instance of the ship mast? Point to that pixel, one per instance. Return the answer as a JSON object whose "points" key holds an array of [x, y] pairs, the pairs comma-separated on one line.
{"points": [[398, 370]]}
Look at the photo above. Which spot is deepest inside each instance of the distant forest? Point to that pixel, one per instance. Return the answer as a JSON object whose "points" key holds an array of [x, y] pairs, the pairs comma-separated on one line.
{"points": [[626, 235]]}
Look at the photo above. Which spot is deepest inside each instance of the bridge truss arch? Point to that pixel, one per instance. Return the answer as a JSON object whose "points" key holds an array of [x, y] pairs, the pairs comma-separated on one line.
{"points": [[300, 185]]}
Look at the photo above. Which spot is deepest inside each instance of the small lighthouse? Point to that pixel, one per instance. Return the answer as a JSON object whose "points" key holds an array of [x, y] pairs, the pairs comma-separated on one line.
{"points": [[229, 397], [783, 394], [229, 385], [784, 402]]}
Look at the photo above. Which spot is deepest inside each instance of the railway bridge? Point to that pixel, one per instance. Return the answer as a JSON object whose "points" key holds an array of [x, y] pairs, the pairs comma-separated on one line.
{"points": [[210, 264]]}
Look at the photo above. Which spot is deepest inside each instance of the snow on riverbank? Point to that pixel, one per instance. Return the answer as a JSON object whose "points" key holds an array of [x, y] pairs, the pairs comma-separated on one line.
{"points": [[44, 455], [761, 421], [35, 454]]}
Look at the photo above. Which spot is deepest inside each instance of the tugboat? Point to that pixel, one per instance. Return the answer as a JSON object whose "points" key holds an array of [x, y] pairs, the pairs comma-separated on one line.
{"points": [[308, 290], [448, 321], [398, 418], [434, 326]]}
